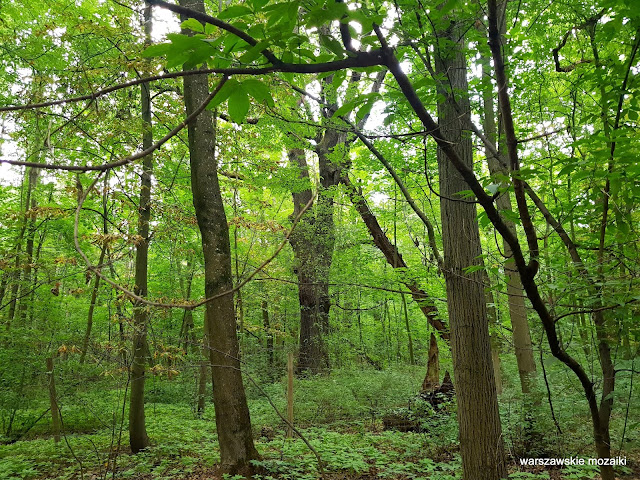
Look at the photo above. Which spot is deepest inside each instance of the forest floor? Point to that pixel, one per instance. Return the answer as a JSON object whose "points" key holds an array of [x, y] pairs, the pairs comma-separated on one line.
{"points": [[348, 434]]}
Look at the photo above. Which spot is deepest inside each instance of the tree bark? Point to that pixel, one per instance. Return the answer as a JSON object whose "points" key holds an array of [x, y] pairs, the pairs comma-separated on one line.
{"points": [[34, 173], [267, 331], [53, 401], [15, 275], [92, 306], [515, 292], [412, 358], [138, 438], [481, 442], [232, 413], [312, 244], [432, 378]]}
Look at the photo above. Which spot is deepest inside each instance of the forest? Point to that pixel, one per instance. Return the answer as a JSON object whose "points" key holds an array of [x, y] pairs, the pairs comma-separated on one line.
{"points": [[319, 239]]}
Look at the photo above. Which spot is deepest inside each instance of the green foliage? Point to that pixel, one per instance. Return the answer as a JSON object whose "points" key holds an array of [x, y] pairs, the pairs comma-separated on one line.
{"points": [[578, 135]]}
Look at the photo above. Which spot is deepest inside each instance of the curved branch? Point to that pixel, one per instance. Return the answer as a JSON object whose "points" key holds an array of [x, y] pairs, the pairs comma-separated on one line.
{"points": [[361, 60], [130, 158]]}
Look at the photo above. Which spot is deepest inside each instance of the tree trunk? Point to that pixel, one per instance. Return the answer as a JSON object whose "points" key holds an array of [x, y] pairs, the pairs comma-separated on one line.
{"points": [[232, 413], [31, 232], [481, 442], [515, 292], [267, 331], [92, 306], [496, 344], [432, 378], [394, 258], [138, 438], [412, 358], [312, 244], [119, 314], [53, 401], [17, 267]]}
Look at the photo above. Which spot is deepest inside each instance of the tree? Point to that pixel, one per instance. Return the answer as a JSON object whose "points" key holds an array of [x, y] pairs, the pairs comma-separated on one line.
{"points": [[232, 413], [138, 438], [478, 416], [575, 200]]}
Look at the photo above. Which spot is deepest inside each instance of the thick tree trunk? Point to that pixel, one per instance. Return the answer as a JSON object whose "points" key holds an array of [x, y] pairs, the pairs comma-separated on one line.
{"points": [[481, 442], [138, 438], [312, 244], [232, 413]]}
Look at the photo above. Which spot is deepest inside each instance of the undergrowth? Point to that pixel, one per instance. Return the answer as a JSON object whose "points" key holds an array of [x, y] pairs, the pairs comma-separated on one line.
{"points": [[340, 415]]}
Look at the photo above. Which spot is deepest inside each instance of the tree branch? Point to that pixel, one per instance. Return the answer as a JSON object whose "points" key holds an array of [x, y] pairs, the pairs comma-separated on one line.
{"points": [[130, 158]]}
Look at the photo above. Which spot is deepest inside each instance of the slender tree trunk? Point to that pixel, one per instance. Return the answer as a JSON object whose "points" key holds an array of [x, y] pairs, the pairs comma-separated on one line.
{"points": [[394, 258], [267, 330], [92, 306], [17, 267], [119, 314], [31, 232], [232, 413], [138, 438], [34, 283], [53, 401], [496, 344], [412, 358], [515, 292], [481, 442]]}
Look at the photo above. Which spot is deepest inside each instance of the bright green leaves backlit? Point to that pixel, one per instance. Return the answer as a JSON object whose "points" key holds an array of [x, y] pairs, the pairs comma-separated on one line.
{"points": [[184, 50], [363, 103], [237, 94], [284, 28]]}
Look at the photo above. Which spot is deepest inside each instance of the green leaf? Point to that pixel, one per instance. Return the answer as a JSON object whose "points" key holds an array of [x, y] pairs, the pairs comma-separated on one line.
{"points": [[473, 268], [234, 12], [225, 92], [493, 188], [338, 78], [238, 105], [209, 29], [483, 219], [254, 52], [192, 24], [258, 90], [157, 50], [347, 107], [333, 45], [258, 4], [365, 110]]}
